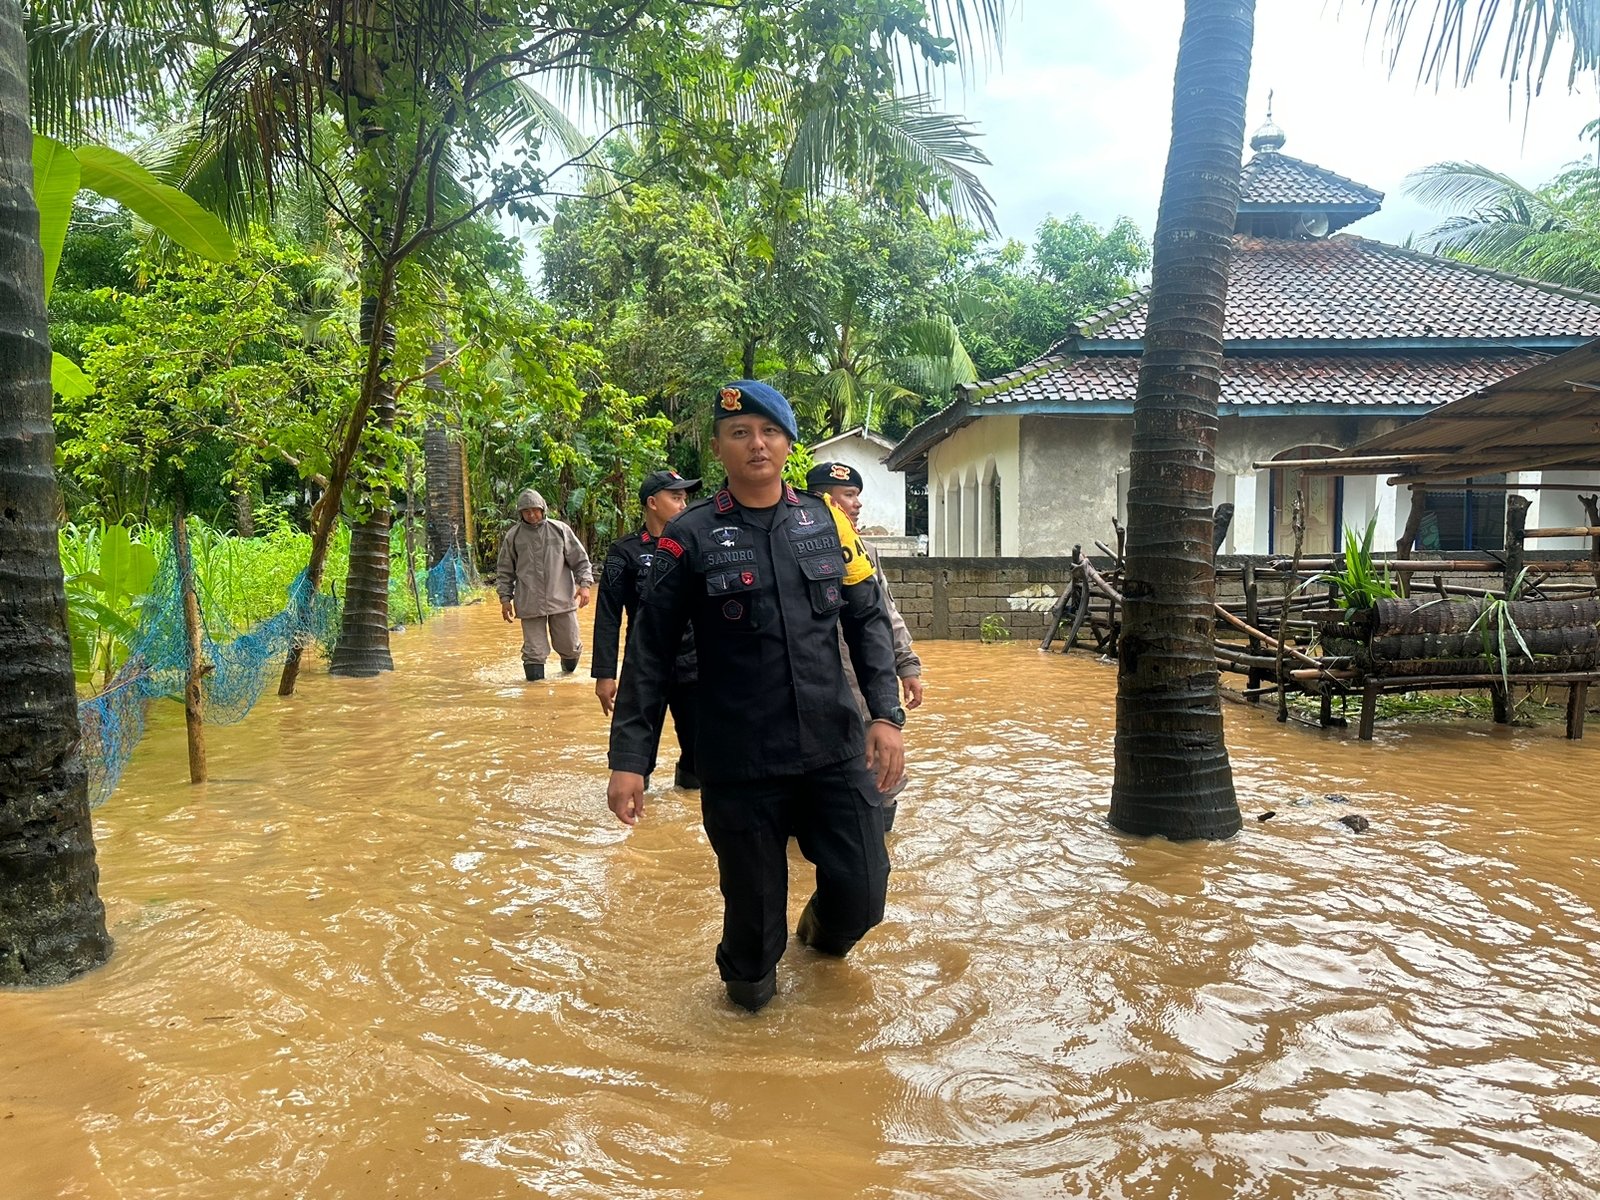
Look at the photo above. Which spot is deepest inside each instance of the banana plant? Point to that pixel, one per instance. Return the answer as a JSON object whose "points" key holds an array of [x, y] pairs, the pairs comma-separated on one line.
{"points": [[61, 172], [109, 577]]}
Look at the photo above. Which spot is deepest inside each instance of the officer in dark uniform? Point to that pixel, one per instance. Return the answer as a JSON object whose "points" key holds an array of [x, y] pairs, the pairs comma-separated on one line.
{"points": [[768, 575], [662, 496]]}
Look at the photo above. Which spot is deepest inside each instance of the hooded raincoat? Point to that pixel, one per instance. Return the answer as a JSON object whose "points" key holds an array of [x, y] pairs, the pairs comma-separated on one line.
{"points": [[542, 566]]}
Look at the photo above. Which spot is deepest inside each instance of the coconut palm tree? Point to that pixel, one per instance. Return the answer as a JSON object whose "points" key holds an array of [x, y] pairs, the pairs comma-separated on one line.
{"points": [[52, 925], [1172, 771], [1550, 232]]}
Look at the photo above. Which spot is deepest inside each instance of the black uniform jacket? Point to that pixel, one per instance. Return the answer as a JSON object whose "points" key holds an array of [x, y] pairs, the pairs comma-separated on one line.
{"points": [[766, 608], [623, 580]]}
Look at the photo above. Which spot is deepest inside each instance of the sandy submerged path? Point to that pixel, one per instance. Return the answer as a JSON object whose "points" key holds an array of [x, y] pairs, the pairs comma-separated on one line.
{"points": [[399, 948]]}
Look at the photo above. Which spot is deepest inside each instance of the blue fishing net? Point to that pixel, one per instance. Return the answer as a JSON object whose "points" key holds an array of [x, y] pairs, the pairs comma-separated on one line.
{"points": [[241, 662], [452, 580]]}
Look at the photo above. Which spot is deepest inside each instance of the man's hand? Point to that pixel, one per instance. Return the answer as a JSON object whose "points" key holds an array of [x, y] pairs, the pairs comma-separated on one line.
{"points": [[886, 755], [606, 689], [583, 597], [506, 610], [913, 689], [625, 795]]}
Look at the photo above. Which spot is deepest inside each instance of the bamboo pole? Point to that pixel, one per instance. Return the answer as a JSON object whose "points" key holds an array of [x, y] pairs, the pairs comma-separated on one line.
{"points": [[194, 691], [411, 537]]}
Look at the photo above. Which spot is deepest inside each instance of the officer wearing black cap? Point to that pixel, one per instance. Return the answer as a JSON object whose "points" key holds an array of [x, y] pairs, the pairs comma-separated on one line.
{"points": [[662, 496], [767, 575]]}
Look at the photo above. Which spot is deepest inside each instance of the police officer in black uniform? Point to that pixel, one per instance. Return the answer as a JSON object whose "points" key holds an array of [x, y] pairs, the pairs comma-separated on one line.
{"points": [[768, 575], [662, 496]]}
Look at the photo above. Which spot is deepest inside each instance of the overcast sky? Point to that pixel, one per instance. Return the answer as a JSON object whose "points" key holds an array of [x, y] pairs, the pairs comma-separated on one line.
{"points": [[1076, 115]]}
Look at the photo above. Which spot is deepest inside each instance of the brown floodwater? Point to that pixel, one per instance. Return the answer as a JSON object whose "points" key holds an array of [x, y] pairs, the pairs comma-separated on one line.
{"points": [[398, 947]]}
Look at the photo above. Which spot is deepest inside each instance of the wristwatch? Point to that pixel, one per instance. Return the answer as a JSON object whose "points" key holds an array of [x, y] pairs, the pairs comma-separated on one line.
{"points": [[896, 716]]}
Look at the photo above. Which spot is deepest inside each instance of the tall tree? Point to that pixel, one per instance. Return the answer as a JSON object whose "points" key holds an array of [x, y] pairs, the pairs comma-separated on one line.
{"points": [[1172, 770], [52, 924]]}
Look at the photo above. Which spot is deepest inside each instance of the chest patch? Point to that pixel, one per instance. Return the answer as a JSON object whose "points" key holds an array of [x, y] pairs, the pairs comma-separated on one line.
{"points": [[726, 535], [724, 558]]}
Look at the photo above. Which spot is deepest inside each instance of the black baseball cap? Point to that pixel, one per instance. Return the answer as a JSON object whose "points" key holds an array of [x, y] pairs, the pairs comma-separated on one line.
{"points": [[664, 481], [833, 474]]}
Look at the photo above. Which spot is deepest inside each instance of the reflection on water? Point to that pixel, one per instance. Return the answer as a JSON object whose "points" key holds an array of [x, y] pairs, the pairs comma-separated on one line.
{"points": [[399, 948]]}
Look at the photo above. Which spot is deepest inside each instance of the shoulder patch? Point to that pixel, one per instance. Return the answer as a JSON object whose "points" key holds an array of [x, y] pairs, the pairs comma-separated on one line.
{"points": [[724, 501], [669, 546]]}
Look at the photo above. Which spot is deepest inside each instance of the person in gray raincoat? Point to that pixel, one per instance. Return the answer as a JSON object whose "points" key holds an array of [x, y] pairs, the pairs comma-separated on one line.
{"points": [[543, 577]]}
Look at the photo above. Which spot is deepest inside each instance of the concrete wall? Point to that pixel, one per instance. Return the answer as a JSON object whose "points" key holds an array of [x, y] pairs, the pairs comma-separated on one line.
{"points": [[1062, 480], [1069, 481], [883, 496]]}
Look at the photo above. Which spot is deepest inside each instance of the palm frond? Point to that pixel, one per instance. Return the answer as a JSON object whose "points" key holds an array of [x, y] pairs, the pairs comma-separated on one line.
{"points": [[91, 61], [1460, 33], [896, 136]]}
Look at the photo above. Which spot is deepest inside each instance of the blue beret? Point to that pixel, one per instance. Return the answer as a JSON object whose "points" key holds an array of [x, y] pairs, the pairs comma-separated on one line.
{"points": [[745, 396]]}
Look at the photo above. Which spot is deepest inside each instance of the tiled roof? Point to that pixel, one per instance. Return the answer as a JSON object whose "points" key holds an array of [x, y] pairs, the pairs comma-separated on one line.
{"points": [[1279, 180], [1106, 384], [1348, 289], [1359, 380]]}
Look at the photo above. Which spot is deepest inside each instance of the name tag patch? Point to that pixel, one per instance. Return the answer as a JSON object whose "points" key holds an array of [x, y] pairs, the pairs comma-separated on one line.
{"points": [[723, 558]]}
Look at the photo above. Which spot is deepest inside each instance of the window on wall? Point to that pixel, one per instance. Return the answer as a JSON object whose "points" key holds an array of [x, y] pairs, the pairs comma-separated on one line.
{"points": [[917, 506], [1465, 519], [1323, 504]]}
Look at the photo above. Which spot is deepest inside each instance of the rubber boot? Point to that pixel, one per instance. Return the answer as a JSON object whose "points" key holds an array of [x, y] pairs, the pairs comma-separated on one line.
{"points": [[809, 933], [753, 996], [687, 780], [533, 672], [568, 665]]}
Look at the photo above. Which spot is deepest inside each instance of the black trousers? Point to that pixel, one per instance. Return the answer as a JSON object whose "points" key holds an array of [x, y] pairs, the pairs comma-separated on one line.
{"points": [[681, 702], [835, 815]]}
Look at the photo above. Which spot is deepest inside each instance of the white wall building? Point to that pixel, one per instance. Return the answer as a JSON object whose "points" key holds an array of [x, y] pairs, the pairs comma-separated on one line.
{"points": [[883, 496], [1328, 341]]}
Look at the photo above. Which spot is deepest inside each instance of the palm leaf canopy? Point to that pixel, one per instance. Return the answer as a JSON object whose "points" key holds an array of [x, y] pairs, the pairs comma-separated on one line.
{"points": [[1522, 39], [1550, 233]]}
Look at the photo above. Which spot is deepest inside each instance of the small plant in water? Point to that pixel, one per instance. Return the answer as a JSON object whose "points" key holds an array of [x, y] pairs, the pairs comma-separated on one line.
{"points": [[1358, 583], [993, 628]]}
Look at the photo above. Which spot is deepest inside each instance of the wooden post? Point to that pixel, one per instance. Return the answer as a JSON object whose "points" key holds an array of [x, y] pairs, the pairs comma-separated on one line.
{"points": [[1291, 581], [1408, 538], [1516, 527], [1500, 701], [1369, 710], [1577, 703], [1221, 518], [193, 692], [1591, 512], [1251, 618]]}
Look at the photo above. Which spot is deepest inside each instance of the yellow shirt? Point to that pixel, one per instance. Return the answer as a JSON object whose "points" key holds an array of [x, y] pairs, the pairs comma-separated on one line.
{"points": [[857, 566]]}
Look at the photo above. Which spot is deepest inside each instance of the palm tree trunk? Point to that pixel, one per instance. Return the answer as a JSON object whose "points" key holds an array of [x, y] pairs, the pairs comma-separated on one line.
{"points": [[52, 925], [445, 515], [363, 646], [1172, 771], [326, 514]]}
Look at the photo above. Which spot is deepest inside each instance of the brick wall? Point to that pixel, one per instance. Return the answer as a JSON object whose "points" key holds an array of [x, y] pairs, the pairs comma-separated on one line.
{"points": [[950, 597]]}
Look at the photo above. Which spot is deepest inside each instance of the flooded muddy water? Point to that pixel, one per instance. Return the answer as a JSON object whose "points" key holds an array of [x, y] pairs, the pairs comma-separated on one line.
{"points": [[398, 947]]}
